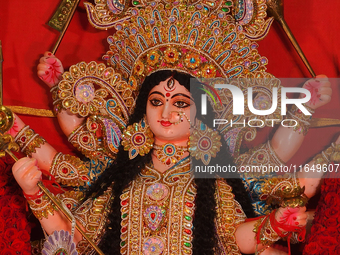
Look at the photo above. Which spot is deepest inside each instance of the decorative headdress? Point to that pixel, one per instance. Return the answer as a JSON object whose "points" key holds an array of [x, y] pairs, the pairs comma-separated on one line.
{"points": [[205, 38]]}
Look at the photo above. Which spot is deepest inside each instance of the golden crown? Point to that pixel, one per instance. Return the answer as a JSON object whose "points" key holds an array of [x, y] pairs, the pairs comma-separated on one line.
{"points": [[190, 39]]}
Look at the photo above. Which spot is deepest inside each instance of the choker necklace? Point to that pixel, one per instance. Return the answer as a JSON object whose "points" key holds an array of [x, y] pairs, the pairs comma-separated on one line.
{"points": [[169, 154]]}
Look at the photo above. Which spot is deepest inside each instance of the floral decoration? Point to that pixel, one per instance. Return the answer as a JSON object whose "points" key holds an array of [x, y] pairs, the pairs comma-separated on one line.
{"points": [[14, 228], [325, 232]]}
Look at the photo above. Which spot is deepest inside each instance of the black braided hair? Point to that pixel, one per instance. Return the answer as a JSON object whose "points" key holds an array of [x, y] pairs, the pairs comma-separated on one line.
{"points": [[123, 171]]}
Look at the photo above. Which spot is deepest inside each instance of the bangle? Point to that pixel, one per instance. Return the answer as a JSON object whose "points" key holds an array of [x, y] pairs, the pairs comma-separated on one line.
{"points": [[303, 121], [41, 205], [69, 170], [328, 155], [28, 140], [37, 195], [57, 102]]}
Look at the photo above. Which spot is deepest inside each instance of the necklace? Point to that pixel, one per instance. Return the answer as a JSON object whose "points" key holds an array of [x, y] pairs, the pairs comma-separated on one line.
{"points": [[169, 154]]}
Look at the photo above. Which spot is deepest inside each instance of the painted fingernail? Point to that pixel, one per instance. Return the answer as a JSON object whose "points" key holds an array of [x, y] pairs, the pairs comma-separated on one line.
{"points": [[294, 218], [47, 72], [296, 223]]}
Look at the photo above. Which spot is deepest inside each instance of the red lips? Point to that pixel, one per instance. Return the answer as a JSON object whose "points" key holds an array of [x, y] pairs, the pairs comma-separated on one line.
{"points": [[165, 123]]}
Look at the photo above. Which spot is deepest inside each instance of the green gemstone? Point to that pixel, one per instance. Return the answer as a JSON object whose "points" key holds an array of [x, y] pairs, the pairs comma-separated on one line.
{"points": [[187, 244], [187, 217], [225, 9], [124, 215], [228, 3], [190, 192], [122, 243], [135, 2]]}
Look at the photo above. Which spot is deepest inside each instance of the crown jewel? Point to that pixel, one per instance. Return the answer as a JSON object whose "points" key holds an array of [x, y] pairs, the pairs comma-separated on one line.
{"points": [[191, 40]]}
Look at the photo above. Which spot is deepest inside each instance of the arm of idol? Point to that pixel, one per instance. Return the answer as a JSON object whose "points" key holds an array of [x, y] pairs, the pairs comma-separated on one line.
{"points": [[44, 154], [246, 238], [286, 141], [311, 180], [50, 70], [27, 174]]}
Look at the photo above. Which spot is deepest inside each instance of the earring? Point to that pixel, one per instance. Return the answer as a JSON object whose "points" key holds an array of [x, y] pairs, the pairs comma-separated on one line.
{"points": [[138, 139], [204, 142]]}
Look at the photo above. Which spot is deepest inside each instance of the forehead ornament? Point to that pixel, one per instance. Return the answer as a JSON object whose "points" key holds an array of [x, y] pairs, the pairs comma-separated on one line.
{"points": [[170, 85]]}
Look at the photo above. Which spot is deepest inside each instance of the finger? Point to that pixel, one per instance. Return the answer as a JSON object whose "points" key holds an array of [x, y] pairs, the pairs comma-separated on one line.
{"points": [[325, 90], [33, 174], [325, 98], [17, 166], [321, 77], [26, 167], [48, 54]]}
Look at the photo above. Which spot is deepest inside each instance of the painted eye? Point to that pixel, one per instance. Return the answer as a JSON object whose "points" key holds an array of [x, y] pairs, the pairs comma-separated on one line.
{"points": [[181, 104], [156, 102]]}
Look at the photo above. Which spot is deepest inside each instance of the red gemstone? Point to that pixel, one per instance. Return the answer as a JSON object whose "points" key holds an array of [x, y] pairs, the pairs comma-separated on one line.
{"points": [[152, 215], [171, 55], [167, 94], [175, 179], [124, 229], [187, 231], [38, 201], [139, 139], [82, 208], [23, 139], [124, 202], [260, 157], [84, 178], [93, 125], [205, 143], [85, 139], [238, 210], [68, 206], [208, 71], [299, 111], [168, 162], [64, 170], [268, 231], [138, 68], [169, 150], [189, 204], [264, 197]]}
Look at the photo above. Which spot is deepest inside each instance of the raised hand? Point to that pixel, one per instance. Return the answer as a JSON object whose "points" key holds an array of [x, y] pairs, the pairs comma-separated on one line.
{"points": [[294, 217], [27, 175], [320, 89], [50, 69]]}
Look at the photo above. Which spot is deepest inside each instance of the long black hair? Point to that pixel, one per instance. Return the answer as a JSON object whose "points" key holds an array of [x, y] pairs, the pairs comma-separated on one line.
{"points": [[125, 170]]}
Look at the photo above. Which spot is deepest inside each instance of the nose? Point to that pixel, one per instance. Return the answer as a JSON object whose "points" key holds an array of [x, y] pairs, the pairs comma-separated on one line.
{"points": [[166, 111]]}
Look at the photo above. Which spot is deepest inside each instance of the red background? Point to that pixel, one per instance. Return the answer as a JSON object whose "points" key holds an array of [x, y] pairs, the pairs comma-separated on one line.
{"points": [[25, 37]]}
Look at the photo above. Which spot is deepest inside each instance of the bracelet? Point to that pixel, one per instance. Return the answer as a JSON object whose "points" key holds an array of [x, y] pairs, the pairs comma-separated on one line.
{"points": [[41, 206], [303, 121], [69, 170], [57, 102], [328, 155], [37, 195], [28, 140], [265, 234]]}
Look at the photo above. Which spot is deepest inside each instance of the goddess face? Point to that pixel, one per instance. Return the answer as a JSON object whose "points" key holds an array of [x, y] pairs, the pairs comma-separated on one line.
{"points": [[167, 105]]}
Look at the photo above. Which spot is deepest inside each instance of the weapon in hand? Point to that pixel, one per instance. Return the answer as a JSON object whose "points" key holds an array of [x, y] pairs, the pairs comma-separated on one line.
{"points": [[7, 144], [62, 18], [275, 9]]}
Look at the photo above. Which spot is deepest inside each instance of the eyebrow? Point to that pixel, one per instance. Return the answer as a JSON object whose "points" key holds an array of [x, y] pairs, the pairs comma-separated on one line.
{"points": [[157, 92], [184, 95]]}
